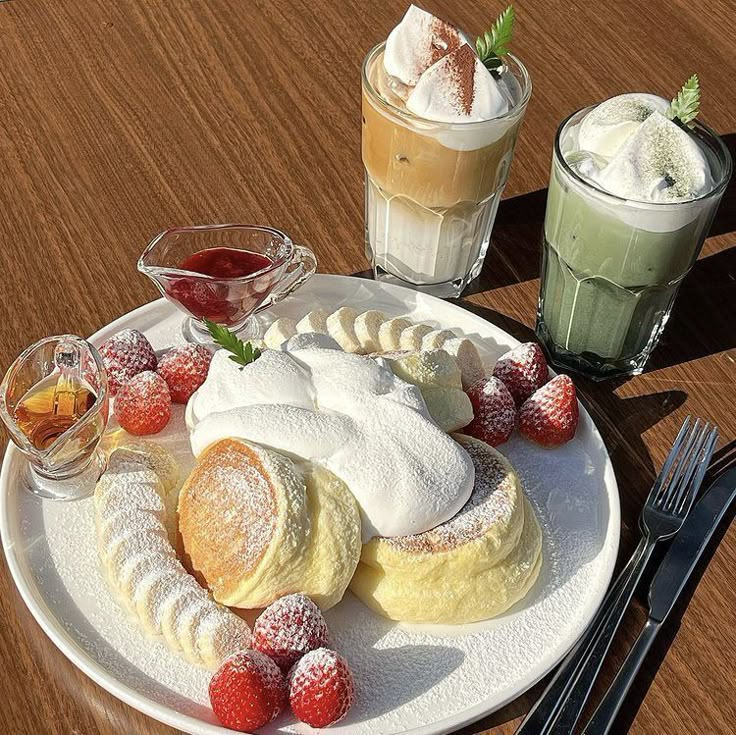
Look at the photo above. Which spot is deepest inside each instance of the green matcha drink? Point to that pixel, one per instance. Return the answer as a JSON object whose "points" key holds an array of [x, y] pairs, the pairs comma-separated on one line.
{"points": [[632, 195]]}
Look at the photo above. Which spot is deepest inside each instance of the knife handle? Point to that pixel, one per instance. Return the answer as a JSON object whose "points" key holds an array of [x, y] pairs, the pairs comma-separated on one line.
{"points": [[603, 718], [542, 715], [587, 672]]}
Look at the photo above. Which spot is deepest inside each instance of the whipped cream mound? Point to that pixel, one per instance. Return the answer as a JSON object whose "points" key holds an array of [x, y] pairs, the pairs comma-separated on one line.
{"points": [[458, 88], [417, 42], [628, 147], [350, 414], [606, 128]]}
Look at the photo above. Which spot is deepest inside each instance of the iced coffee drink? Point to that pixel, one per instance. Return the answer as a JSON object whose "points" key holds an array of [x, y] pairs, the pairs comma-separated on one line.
{"points": [[440, 121], [634, 187]]}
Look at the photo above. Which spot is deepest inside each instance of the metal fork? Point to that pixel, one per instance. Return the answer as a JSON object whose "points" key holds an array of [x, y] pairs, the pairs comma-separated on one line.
{"points": [[669, 501]]}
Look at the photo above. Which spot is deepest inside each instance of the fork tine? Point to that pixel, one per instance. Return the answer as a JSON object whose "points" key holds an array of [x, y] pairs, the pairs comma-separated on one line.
{"points": [[687, 460], [678, 465], [690, 464], [667, 466], [683, 508]]}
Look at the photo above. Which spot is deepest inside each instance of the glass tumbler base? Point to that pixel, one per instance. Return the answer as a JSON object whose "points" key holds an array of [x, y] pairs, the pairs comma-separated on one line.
{"points": [[588, 364], [446, 290]]}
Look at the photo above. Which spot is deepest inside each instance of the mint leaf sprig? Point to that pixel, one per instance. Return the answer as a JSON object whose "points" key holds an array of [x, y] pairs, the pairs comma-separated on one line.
{"points": [[494, 43], [685, 107], [243, 352]]}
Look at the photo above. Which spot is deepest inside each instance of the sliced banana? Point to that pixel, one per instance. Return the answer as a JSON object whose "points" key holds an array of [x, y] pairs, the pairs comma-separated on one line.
{"points": [[468, 359], [132, 571], [124, 523], [412, 337], [141, 564], [314, 321], [219, 635], [389, 334], [187, 624], [174, 607], [152, 456], [279, 332], [436, 338], [367, 326], [340, 326], [152, 590]]}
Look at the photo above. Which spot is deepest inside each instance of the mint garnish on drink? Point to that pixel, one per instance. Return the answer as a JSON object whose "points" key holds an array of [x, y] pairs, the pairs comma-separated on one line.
{"points": [[685, 107], [494, 43], [243, 352]]}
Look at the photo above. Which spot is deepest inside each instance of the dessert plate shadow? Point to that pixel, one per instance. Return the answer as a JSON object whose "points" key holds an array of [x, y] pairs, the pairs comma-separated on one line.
{"points": [[424, 680]]}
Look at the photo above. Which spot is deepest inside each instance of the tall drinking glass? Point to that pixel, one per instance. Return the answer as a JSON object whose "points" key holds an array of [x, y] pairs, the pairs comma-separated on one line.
{"points": [[611, 267], [432, 189]]}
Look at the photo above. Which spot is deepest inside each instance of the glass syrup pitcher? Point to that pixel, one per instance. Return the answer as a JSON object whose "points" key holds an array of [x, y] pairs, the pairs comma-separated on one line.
{"points": [[54, 403]]}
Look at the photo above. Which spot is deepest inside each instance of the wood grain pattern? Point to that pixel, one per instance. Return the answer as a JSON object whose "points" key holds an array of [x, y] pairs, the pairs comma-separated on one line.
{"points": [[120, 119]]}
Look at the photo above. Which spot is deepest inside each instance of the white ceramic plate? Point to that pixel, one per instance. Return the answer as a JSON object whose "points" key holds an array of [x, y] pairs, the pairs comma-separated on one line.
{"points": [[412, 679]]}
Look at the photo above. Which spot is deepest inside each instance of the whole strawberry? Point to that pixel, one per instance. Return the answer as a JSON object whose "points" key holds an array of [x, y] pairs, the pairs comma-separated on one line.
{"points": [[289, 628], [321, 688], [494, 412], [124, 355], [550, 416], [522, 370], [184, 369], [143, 405], [248, 691]]}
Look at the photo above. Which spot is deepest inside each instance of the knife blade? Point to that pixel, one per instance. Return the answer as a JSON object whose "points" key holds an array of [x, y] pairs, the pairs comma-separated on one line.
{"points": [[685, 551]]}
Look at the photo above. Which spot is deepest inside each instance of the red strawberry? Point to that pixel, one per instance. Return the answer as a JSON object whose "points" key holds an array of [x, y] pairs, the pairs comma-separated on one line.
{"points": [[522, 370], [143, 404], [551, 415], [184, 369], [124, 355], [494, 411], [321, 688], [289, 628], [248, 691]]}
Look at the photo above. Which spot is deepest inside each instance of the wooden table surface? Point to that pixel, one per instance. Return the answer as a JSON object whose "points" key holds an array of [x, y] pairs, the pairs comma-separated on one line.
{"points": [[119, 119]]}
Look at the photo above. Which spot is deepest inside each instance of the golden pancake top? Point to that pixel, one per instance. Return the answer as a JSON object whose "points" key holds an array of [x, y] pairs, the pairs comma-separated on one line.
{"points": [[228, 494], [493, 502]]}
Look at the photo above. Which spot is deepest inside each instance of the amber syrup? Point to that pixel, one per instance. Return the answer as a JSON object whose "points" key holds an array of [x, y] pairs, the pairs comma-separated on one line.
{"points": [[52, 407]]}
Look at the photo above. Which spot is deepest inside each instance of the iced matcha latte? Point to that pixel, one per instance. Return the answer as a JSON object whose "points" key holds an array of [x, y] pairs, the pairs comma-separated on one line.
{"points": [[634, 187], [440, 121]]}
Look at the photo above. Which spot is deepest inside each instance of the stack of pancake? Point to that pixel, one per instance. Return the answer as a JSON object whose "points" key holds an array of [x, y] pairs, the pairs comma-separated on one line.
{"points": [[258, 521]]}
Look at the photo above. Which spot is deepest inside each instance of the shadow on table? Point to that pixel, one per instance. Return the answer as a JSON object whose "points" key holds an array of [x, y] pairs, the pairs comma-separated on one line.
{"points": [[514, 255], [702, 322]]}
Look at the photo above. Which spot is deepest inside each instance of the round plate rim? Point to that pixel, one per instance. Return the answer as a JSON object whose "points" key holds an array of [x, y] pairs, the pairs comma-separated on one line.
{"points": [[54, 629]]}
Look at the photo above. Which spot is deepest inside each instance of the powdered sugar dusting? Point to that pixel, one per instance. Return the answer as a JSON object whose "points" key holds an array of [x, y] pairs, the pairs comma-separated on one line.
{"points": [[406, 676], [228, 494], [493, 501]]}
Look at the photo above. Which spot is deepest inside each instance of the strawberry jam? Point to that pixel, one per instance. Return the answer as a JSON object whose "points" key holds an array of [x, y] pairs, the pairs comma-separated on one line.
{"points": [[225, 262], [231, 299]]}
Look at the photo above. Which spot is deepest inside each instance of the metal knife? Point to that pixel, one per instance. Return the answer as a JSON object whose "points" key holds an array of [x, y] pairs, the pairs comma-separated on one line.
{"points": [[666, 588]]}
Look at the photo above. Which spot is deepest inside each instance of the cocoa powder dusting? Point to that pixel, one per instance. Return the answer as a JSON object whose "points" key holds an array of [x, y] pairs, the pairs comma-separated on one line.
{"points": [[462, 71], [445, 39]]}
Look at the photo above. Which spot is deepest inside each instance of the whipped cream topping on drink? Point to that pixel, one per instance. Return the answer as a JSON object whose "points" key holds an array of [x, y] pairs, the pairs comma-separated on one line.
{"points": [[629, 147], [430, 69], [417, 42]]}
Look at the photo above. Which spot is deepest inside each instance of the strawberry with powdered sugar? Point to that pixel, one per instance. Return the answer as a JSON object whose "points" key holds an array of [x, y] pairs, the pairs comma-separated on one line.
{"points": [[321, 688], [550, 416], [494, 412], [522, 370], [289, 628], [248, 691], [124, 355]]}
